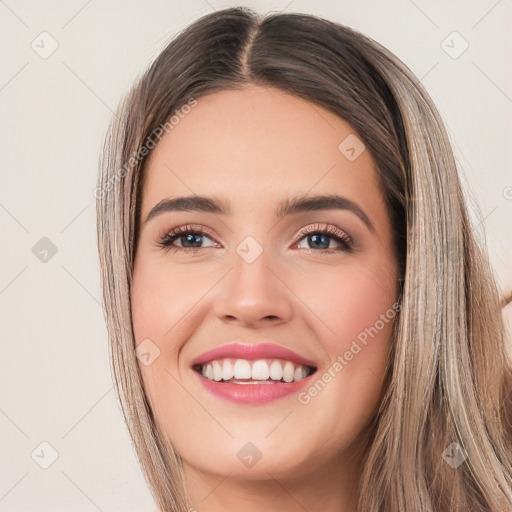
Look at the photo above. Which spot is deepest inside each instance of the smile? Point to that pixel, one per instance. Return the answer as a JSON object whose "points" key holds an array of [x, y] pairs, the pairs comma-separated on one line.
{"points": [[261, 371], [252, 374]]}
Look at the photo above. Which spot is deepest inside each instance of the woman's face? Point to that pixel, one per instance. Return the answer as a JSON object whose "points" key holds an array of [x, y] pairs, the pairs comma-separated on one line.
{"points": [[263, 273]]}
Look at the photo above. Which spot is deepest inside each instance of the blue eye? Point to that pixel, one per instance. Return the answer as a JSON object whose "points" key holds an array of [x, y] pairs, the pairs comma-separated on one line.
{"points": [[319, 238], [186, 235], [191, 239], [318, 234]]}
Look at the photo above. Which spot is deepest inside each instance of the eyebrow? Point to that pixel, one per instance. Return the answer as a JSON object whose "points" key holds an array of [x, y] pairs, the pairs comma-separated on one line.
{"points": [[286, 207]]}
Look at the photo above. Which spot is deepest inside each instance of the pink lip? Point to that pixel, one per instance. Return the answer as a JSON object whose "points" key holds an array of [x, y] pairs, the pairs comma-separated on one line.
{"points": [[252, 393], [252, 352]]}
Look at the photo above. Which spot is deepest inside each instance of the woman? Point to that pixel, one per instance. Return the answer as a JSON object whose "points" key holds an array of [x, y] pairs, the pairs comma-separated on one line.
{"points": [[299, 315]]}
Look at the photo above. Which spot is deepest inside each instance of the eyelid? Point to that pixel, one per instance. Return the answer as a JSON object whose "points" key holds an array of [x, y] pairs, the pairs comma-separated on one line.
{"points": [[190, 227], [328, 229]]}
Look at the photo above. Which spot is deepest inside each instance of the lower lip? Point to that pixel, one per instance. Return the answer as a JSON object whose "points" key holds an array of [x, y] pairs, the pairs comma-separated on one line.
{"points": [[252, 393]]}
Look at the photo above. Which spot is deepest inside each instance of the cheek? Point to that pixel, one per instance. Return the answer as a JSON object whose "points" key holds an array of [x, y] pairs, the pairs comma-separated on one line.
{"points": [[353, 307], [165, 302], [354, 314], [161, 298], [162, 302]]}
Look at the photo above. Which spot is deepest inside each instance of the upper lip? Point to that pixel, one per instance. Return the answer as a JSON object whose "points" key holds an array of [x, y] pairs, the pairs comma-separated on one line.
{"points": [[239, 350]]}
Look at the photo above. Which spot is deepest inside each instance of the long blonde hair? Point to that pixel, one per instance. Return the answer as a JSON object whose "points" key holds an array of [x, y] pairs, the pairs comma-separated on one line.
{"points": [[449, 380]]}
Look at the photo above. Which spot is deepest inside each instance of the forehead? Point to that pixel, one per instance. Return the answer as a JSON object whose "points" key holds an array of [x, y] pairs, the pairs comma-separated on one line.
{"points": [[255, 145]]}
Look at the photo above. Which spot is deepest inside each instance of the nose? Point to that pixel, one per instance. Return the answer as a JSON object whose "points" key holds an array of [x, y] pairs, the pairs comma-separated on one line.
{"points": [[254, 294]]}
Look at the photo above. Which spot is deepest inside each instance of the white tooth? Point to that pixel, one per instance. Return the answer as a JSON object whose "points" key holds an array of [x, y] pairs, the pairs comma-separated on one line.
{"points": [[227, 370], [242, 369], [260, 370], [300, 373], [276, 370], [209, 372], [217, 371], [288, 371], [203, 370]]}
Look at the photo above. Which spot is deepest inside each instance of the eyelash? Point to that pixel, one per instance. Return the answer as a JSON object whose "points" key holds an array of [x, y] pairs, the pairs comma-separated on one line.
{"points": [[165, 242]]}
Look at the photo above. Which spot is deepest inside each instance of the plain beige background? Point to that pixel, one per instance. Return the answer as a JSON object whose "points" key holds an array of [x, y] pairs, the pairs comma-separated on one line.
{"points": [[55, 381]]}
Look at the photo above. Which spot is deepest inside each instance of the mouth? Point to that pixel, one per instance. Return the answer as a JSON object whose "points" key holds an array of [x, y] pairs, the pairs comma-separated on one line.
{"points": [[260, 371], [252, 374], [255, 382]]}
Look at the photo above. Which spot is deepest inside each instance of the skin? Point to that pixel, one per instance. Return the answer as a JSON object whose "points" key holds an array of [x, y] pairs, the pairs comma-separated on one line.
{"points": [[253, 148]]}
